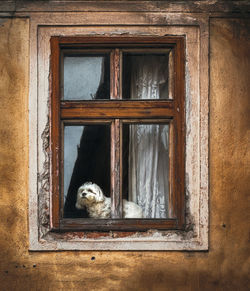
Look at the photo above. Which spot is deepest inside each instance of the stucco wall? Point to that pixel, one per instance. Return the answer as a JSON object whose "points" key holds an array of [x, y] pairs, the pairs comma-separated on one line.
{"points": [[224, 267]]}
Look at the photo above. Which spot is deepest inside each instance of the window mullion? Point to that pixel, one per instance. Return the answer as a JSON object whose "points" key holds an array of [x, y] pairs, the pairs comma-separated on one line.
{"points": [[116, 170], [115, 74]]}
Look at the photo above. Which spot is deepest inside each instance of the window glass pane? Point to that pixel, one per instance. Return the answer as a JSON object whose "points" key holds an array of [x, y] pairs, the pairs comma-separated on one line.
{"points": [[146, 168], [86, 77], [86, 159], [147, 76]]}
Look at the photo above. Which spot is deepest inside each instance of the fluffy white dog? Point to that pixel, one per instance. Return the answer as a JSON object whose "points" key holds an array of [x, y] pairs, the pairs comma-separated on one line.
{"points": [[91, 197]]}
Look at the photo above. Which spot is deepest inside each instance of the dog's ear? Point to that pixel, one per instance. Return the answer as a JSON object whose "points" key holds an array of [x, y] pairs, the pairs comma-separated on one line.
{"points": [[78, 205], [100, 196], [80, 189]]}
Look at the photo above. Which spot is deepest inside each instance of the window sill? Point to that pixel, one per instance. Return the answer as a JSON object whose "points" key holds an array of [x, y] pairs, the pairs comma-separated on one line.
{"points": [[116, 224]]}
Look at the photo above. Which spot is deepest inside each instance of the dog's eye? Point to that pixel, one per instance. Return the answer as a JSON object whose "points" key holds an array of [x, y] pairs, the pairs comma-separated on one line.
{"points": [[90, 191]]}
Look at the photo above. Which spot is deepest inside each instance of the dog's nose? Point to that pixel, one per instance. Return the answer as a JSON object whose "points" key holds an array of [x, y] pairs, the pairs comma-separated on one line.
{"points": [[83, 194]]}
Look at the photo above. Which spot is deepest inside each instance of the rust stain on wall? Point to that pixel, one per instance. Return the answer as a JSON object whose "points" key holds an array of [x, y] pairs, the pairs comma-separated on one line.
{"points": [[224, 267]]}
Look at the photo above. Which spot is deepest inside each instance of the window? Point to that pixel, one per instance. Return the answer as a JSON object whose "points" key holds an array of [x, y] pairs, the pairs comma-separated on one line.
{"points": [[117, 120], [185, 43]]}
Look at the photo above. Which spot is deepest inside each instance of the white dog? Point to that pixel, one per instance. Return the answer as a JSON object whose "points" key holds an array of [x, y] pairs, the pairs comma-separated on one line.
{"points": [[90, 195]]}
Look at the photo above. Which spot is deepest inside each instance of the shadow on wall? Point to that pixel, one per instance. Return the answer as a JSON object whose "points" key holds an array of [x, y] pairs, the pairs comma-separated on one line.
{"points": [[17, 270], [152, 278], [21, 270]]}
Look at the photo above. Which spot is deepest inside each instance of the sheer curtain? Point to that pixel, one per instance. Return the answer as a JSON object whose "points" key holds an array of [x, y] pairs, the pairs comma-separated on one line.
{"points": [[148, 148]]}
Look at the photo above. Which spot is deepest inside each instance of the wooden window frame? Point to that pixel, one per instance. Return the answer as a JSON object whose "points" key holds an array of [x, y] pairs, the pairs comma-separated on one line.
{"points": [[117, 111]]}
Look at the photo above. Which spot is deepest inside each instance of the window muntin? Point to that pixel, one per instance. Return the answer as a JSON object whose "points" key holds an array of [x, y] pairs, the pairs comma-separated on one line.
{"points": [[116, 112]]}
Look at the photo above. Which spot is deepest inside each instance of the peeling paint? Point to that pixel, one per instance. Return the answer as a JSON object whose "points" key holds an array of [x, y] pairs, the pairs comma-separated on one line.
{"points": [[44, 186], [3, 21]]}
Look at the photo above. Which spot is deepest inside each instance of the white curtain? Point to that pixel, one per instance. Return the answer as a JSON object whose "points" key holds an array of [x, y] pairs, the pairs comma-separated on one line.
{"points": [[148, 148]]}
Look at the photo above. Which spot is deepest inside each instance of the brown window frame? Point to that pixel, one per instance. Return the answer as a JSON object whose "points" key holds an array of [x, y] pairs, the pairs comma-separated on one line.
{"points": [[116, 111]]}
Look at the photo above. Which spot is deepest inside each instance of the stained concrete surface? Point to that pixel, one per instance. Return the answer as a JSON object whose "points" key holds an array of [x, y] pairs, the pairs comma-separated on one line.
{"points": [[224, 267]]}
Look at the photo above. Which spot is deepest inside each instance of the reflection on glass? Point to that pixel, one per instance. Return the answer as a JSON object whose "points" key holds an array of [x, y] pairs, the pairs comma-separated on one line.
{"points": [[86, 159], [146, 76], [146, 168], [86, 77]]}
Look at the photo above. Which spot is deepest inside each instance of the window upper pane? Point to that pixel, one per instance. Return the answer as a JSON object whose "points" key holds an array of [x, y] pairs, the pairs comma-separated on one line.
{"points": [[147, 75], [85, 77]]}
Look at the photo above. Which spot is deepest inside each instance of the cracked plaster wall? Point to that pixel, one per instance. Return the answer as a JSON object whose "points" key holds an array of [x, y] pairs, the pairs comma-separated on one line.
{"points": [[224, 267]]}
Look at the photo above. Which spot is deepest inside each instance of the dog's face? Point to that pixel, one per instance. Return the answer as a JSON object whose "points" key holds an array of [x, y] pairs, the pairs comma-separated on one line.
{"points": [[87, 194]]}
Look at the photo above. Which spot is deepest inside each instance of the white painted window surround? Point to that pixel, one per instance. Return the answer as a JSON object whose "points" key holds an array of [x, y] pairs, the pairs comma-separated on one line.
{"points": [[195, 31]]}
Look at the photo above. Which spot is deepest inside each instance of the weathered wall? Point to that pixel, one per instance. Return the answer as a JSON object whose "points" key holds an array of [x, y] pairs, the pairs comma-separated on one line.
{"points": [[224, 267]]}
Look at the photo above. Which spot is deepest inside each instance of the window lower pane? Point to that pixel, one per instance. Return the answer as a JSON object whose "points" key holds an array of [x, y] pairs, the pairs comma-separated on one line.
{"points": [[146, 170], [86, 157]]}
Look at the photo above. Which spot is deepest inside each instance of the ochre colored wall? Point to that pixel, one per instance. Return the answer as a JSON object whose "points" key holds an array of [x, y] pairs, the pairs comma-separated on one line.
{"points": [[224, 267]]}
